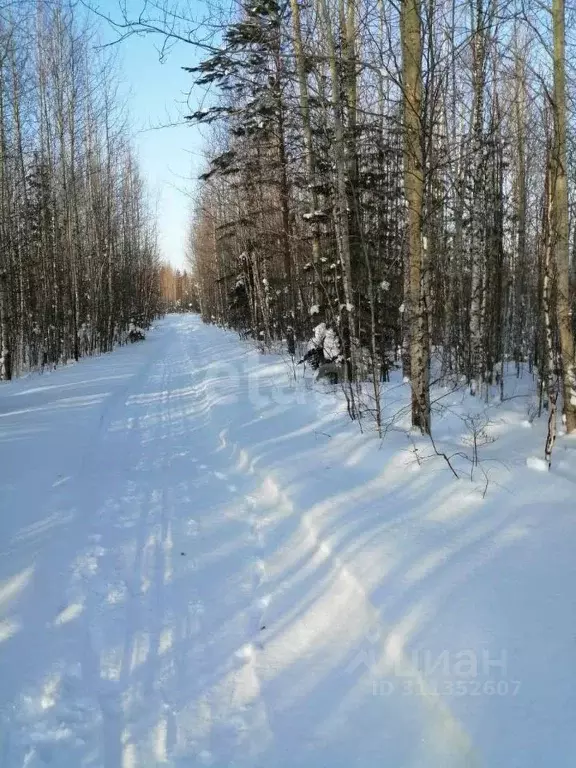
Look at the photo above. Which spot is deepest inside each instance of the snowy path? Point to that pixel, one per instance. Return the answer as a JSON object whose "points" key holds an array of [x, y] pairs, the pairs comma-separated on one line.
{"points": [[194, 572]]}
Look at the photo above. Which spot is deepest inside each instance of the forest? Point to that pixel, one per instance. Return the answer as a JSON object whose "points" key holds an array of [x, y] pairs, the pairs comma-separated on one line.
{"points": [[403, 175], [322, 513], [78, 258]]}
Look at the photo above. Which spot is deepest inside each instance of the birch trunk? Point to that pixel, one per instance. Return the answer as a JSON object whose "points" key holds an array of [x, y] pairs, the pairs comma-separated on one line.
{"points": [[342, 212], [410, 28], [560, 221], [310, 158], [547, 313], [478, 213]]}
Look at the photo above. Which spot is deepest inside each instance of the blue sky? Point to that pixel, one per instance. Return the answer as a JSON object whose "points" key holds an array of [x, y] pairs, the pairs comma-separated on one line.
{"points": [[170, 157]]}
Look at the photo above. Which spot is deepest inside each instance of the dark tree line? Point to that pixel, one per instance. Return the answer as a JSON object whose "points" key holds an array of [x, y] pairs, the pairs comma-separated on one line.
{"points": [[78, 251]]}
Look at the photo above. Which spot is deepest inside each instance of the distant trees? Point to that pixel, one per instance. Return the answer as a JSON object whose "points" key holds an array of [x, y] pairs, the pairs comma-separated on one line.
{"points": [[78, 251], [177, 290]]}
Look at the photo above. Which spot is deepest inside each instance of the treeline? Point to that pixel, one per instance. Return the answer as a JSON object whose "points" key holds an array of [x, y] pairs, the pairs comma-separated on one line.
{"points": [[402, 172], [177, 290], [78, 252]]}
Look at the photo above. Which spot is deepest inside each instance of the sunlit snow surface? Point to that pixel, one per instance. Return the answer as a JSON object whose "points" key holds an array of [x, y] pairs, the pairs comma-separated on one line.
{"points": [[204, 563]]}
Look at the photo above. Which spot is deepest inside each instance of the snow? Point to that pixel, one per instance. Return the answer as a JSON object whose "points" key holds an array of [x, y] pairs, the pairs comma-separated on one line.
{"points": [[314, 309], [331, 344], [203, 562], [536, 463], [318, 336], [326, 339]]}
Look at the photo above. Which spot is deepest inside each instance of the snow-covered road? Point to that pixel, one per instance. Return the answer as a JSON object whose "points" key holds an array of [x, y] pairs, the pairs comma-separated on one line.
{"points": [[202, 565]]}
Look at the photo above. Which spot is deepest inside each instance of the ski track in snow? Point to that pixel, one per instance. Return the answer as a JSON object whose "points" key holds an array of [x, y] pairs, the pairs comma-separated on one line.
{"points": [[188, 582]]}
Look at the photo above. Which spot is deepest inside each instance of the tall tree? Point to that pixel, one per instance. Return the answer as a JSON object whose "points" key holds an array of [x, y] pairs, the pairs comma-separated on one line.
{"points": [[561, 234], [411, 31]]}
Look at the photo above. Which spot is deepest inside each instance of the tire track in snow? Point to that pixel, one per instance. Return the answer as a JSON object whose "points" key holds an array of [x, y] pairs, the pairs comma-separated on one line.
{"points": [[456, 750], [234, 705], [119, 631], [82, 700], [146, 696]]}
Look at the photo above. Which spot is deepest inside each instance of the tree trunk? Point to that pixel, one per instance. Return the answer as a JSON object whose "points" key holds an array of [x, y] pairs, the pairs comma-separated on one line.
{"points": [[310, 157], [410, 28], [5, 346], [342, 212], [549, 363], [560, 221]]}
